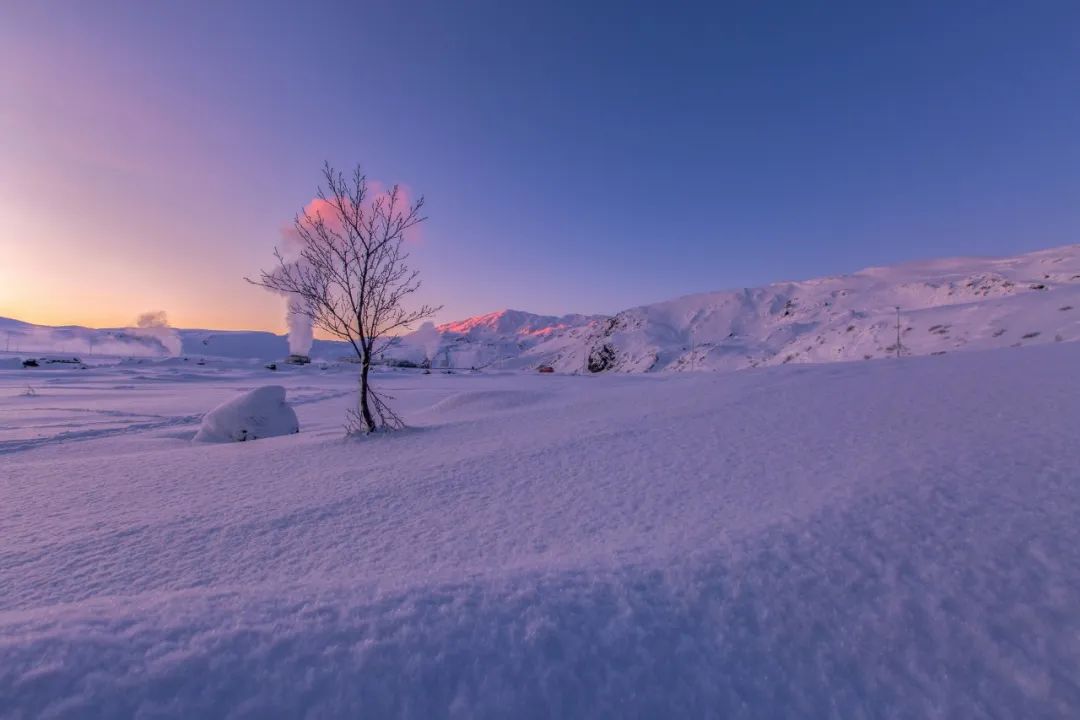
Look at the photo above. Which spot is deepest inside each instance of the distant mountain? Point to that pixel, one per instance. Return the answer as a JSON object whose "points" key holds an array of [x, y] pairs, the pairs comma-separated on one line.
{"points": [[945, 306], [73, 340], [497, 339], [515, 322]]}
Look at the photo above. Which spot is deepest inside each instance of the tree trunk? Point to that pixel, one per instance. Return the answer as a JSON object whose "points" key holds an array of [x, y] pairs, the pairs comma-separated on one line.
{"points": [[365, 409]]}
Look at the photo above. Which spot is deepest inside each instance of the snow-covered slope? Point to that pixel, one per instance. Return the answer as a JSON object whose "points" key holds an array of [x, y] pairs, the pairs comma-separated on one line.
{"points": [[28, 339], [852, 540], [944, 306], [498, 339], [69, 340]]}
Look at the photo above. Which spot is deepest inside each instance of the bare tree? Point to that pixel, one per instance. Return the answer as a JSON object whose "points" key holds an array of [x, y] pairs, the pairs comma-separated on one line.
{"points": [[351, 278]]}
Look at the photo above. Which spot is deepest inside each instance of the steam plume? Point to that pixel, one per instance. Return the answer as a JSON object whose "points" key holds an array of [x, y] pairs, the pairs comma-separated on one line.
{"points": [[300, 331], [155, 325], [427, 339]]}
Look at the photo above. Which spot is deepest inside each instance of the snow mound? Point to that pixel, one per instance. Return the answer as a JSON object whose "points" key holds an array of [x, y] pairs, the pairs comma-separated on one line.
{"points": [[260, 413]]}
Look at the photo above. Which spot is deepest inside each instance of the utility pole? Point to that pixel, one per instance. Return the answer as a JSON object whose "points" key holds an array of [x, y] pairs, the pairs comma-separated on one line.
{"points": [[691, 349], [898, 331]]}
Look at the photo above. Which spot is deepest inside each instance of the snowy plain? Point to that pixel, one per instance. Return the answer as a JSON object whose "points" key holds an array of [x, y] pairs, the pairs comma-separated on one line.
{"points": [[883, 539]]}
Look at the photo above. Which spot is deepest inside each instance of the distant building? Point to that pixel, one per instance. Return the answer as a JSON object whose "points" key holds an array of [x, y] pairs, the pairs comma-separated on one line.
{"points": [[545, 369]]}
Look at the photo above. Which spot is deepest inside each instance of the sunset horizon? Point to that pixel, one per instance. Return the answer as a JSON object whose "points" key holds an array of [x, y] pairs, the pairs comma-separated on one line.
{"points": [[153, 159]]}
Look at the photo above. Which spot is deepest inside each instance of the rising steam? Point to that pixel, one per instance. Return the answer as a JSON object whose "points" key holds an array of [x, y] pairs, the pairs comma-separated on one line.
{"points": [[300, 331], [427, 339], [154, 325]]}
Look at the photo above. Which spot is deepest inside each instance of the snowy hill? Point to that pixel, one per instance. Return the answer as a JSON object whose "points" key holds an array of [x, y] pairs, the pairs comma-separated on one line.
{"points": [[155, 342], [21, 337], [496, 339], [945, 306], [514, 322]]}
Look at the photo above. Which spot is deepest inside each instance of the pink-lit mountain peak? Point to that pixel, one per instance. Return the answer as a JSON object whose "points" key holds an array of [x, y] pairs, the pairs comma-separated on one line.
{"points": [[512, 322]]}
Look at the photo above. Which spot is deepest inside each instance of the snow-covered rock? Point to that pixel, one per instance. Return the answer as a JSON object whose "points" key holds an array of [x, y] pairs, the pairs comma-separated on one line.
{"points": [[259, 413]]}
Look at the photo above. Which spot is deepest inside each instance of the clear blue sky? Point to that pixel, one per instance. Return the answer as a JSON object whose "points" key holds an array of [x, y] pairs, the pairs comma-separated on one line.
{"points": [[575, 156]]}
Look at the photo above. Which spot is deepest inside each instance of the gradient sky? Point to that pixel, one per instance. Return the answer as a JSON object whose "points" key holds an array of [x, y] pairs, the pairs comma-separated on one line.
{"points": [[576, 157]]}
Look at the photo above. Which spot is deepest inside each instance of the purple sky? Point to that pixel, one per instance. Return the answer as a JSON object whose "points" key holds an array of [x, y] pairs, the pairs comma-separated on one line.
{"points": [[574, 158]]}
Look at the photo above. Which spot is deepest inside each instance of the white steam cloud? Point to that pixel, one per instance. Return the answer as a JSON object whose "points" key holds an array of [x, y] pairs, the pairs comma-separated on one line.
{"points": [[300, 329], [155, 325], [301, 335], [427, 339], [152, 319]]}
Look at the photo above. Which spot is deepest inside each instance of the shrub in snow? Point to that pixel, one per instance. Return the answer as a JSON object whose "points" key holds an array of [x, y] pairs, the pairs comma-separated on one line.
{"points": [[260, 413]]}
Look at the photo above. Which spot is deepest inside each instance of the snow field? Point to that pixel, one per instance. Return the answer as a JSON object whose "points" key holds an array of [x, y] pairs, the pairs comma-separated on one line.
{"points": [[892, 539]]}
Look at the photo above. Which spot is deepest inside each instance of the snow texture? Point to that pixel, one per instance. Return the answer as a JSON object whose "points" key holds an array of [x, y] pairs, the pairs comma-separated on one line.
{"points": [[894, 539], [259, 413]]}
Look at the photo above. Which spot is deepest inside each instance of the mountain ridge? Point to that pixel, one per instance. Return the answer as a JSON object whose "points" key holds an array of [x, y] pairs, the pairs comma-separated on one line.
{"points": [[945, 305]]}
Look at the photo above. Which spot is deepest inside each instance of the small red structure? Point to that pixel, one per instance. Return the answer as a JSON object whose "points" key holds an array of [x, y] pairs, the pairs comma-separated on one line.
{"points": [[545, 369]]}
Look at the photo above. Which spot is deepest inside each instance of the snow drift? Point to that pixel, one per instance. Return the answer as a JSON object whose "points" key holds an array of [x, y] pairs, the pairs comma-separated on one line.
{"points": [[260, 413], [852, 540]]}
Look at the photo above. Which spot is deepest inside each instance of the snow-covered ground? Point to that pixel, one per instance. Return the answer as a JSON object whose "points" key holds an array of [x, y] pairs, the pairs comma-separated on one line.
{"points": [[863, 539]]}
